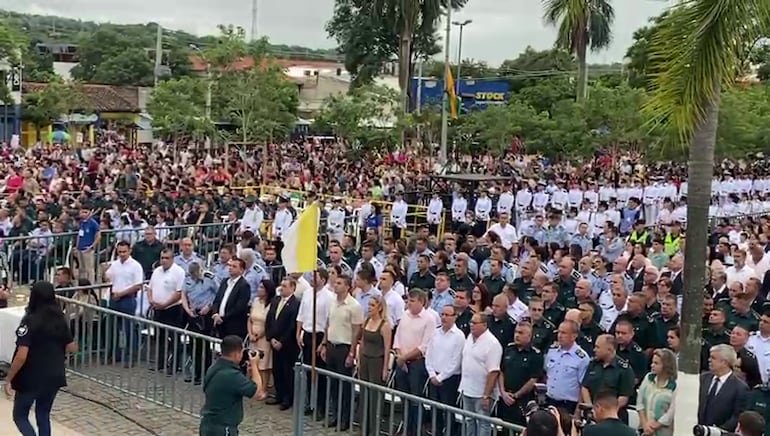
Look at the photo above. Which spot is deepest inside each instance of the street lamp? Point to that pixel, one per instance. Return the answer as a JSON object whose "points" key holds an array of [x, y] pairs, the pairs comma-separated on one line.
{"points": [[209, 84], [461, 25]]}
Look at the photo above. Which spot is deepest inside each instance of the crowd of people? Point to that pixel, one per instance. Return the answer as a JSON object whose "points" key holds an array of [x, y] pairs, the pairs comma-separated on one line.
{"points": [[568, 274]]}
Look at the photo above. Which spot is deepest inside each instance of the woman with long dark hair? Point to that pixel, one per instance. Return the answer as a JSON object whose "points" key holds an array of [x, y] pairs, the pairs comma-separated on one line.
{"points": [[37, 371]]}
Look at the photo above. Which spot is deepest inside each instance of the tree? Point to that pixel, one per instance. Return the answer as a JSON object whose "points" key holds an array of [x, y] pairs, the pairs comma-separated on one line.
{"points": [[613, 116], [496, 127], [531, 66], [638, 53], [583, 24], [695, 54], [468, 68], [55, 100], [744, 121], [364, 116], [177, 108], [132, 67]]}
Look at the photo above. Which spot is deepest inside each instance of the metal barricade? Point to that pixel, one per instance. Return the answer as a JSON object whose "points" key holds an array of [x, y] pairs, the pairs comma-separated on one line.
{"points": [[379, 410], [28, 258], [137, 356]]}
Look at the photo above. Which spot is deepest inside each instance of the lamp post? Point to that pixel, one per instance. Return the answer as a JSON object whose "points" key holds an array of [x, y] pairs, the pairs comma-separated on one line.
{"points": [[461, 25], [209, 85], [444, 98]]}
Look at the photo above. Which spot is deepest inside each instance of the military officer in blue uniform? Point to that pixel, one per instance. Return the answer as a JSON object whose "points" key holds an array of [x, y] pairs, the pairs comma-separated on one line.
{"points": [[565, 365]]}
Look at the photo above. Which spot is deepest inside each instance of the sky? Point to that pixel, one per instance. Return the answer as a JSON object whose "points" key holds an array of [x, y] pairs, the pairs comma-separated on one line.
{"points": [[500, 30]]}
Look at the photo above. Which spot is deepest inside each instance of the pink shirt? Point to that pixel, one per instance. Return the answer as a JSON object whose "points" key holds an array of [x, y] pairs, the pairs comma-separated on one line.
{"points": [[414, 331]]}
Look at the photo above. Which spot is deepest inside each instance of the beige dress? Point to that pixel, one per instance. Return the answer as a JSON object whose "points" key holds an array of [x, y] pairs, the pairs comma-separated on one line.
{"points": [[258, 316]]}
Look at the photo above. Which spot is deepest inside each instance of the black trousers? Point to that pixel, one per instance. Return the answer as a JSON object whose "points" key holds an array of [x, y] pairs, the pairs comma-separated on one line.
{"points": [[340, 392], [171, 316], [514, 413], [307, 359], [396, 232], [433, 229], [198, 348], [444, 394], [283, 377]]}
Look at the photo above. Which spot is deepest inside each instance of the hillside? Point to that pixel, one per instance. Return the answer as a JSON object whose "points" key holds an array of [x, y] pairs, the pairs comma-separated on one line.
{"points": [[50, 29]]}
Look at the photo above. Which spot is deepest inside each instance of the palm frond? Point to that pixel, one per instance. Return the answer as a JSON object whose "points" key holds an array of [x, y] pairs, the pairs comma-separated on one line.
{"points": [[602, 15]]}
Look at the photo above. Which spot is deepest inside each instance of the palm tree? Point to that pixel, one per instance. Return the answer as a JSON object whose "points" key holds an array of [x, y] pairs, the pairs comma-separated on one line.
{"points": [[696, 53], [582, 24], [410, 17]]}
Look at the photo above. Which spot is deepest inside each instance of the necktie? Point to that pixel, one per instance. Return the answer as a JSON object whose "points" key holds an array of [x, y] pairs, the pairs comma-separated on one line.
{"points": [[280, 307], [713, 391]]}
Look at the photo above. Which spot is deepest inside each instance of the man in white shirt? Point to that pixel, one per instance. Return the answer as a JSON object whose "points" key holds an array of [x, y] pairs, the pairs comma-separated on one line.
{"points": [[324, 298], [398, 216], [739, 272], [435, 213], [482, 354], [127, 278], [393, 301], [282, 220], [165, 296], [443, 359], [759, 344], [506, 231], [252, 217]]}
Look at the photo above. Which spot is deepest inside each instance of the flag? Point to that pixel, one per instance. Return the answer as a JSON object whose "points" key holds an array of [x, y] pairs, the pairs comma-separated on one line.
{"points": [[300, 242], [450, 90]]}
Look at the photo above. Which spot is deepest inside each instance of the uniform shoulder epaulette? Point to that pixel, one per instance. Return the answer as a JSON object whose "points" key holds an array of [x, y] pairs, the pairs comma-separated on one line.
{"points": [[652, 316], [559, 306], [512, 320], [750, 353], [510, 344], [580, 353], [536, 350], [555, 345], [622, 363], [636, 347], [548, 323]]}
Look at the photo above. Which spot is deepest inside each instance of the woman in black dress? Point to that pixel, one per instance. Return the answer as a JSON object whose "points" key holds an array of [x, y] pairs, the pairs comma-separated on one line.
{"points": [[37, 371]]}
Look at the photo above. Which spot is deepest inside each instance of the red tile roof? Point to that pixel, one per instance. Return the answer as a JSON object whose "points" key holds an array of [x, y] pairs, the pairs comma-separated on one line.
{"points": [[99, 98]]}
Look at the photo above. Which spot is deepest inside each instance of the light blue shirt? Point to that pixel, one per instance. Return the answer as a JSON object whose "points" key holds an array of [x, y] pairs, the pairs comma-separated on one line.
{"points": [[599, 285], [200, 293], [184, 262], [442, 299], [221, 272], [538, 233], [583, 241], [557, 234], [506, 273], [565, 370], [611, 250], [254, 276], [364, 297]]}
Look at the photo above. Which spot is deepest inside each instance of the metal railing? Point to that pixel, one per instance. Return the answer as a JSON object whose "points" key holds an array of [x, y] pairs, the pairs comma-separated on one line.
{"points": [[379, 410], [156, 362]]}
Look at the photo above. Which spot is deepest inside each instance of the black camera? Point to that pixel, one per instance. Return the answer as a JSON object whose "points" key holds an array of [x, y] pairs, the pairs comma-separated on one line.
{"points": [[706, 430], [585, 416], [539, 403]]}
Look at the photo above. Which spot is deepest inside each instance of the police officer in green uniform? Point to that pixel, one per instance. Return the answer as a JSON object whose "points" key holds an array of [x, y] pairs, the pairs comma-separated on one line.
{"points": [[542, 328], [495, 281], [460, 278], [759, 401], [645, 333], [630, 351], [589, 329], [522, 366], [714, 334], [225, 386], [422, 278], [349, 254], [464, 310], [553, 310], [608, 372], [566, 288], [741, 314], [500, 323], [665, 320]]}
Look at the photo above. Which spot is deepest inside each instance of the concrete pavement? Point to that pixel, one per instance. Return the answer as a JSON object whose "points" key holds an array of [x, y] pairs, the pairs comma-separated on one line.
{"points": [[7, 426]]}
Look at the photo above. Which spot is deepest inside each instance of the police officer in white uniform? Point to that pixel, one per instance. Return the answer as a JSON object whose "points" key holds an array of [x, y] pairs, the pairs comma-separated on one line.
{"points": [[435, 213], [483, 209], [336, 221], [398, 216], [282, 221], [459, 207]]}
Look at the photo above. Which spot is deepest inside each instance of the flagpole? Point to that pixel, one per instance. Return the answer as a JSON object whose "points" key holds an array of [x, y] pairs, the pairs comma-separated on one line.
{"points": [[443, 155], [314, 342]]}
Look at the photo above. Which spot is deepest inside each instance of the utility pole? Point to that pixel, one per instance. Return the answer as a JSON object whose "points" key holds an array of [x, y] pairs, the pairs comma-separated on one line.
{"points": [[418, 109], [461, 25], [158, 53], [254, 18], [442, 157]]}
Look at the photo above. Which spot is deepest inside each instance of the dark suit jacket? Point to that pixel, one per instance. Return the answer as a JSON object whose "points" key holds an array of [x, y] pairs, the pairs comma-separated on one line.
{"points": [[283, 327], [677, 284], [236, 308], [729, 402]]}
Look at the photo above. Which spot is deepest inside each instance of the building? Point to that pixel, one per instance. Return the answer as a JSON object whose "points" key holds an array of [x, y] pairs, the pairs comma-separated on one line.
{"points": [[65, 57], [103, 107]]}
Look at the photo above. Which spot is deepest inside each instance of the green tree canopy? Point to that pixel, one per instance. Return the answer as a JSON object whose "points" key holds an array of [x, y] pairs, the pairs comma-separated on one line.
{"points": [[177, 108]]}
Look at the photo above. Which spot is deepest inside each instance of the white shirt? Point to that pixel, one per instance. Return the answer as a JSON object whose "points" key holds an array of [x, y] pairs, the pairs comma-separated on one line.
{"points": [[609, 315], [739, 275], [124, 275], [252, 219], [398, 214], [324, 300], [443, 357], [435, 210], [481, 356], [395, 305], [760, 346], [282, 222], [761, 267], [302, 286], [230, 285], [517, 310], [508, 235], [165, 283]]}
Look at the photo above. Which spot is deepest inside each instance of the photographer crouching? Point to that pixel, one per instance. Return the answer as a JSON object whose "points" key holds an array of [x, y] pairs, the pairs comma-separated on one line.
{"points": [[225, 385], [605, 415]]}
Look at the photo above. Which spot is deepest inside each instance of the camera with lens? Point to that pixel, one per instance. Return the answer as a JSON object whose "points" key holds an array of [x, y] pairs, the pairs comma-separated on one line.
{"points": [[585, 416], [706, 430], [539, 403], [249, 354]]}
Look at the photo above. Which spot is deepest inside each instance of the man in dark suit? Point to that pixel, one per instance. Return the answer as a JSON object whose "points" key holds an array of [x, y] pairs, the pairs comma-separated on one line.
{"points": [[280, 327], [231, 305], [723, 395]]}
